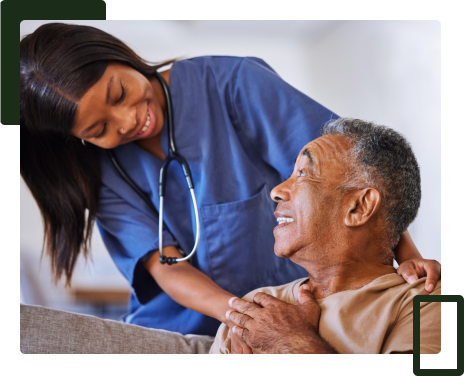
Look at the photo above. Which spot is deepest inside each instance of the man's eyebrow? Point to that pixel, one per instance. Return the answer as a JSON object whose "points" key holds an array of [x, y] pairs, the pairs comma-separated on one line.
{"points": [[308, 154]]}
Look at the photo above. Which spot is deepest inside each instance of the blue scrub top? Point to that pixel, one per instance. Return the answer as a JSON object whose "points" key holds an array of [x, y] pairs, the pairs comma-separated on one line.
{"points": [[240, 128]]}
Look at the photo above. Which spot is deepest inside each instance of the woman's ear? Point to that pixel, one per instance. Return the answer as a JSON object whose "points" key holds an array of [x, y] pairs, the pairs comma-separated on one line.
{"points": [[363, 204]]}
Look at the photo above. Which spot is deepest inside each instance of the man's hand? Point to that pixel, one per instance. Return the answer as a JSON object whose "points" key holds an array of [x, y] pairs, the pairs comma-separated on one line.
{"points": [[238, 346], [269, 325]]}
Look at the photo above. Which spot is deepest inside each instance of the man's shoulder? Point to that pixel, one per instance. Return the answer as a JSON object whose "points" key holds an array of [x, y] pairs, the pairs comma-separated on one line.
{"points": [[376, 318], [286, 292], [399, 336], [389, 288], [408, 292], [395, 286]]}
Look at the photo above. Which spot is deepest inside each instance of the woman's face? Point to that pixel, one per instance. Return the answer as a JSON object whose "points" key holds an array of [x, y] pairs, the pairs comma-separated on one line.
{"points": [[121, 107]]}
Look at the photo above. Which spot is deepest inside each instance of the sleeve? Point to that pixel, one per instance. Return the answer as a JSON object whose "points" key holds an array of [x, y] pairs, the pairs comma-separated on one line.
{"points": [[400, 339], [129, 234], [275, 119]]}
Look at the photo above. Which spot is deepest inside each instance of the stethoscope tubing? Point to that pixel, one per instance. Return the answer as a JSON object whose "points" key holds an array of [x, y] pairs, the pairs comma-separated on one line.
{"points": [[169, 111], [172, 156], [197, 225]]}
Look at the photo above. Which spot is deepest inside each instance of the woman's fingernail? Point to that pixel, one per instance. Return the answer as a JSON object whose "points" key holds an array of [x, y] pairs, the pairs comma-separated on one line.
{"points": [[227, 314], [430, 287], [231, 300], [234, 329], [411, 279]]}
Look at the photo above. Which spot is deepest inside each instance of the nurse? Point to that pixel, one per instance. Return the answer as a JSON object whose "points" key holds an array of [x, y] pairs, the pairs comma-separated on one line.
{"points": [[238, 125]]}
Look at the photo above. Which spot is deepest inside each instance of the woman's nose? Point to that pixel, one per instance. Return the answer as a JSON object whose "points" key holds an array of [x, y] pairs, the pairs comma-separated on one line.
{"points": [[280, 192], [125, 119]]}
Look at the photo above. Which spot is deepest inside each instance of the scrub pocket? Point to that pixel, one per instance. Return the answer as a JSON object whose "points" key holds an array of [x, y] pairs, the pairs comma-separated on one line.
{"points": [[240, 242]]}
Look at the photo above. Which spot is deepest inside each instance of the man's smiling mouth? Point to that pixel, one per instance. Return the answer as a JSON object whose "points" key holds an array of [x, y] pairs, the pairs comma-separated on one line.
{"points": [[282, 220]]}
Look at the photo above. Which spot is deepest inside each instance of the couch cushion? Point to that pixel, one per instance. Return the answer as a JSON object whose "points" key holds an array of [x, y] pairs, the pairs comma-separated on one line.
{"points": [[50, 331]]}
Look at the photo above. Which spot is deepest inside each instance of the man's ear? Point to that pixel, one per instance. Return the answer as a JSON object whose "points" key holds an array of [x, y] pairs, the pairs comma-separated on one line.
{"points": [[363, 205]]}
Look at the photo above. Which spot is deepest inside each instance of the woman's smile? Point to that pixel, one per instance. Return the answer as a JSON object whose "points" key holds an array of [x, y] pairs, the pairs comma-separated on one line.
{"points": [[148, 126], [123, 106]]}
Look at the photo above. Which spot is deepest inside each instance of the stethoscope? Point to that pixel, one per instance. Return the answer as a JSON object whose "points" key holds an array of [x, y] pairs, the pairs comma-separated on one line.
{"points": [[172, 156]]}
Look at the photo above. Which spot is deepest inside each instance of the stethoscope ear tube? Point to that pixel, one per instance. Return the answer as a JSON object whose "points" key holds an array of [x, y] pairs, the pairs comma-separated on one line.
{"points": [[169, 112], [164, 170], [131, 183]]}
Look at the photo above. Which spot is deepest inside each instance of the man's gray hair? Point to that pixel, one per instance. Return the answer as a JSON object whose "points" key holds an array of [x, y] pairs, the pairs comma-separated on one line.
{"points": [[383, 159]]}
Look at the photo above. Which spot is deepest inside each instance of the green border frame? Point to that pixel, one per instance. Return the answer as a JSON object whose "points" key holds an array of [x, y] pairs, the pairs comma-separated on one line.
{"points": [[416, 334], [13, 12]]}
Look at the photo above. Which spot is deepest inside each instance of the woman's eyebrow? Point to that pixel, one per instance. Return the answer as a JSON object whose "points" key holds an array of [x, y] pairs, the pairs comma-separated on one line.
{"points": [[87, 130], [108, 89]]}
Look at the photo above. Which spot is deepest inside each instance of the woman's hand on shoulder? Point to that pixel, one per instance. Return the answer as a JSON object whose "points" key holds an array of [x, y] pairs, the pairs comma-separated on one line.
{"points": [[416, 268], [412, 266]]}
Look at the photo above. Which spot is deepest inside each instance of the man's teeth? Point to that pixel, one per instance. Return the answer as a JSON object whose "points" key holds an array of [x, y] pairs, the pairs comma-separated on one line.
{"points": [[147, 123], [284, 220]]}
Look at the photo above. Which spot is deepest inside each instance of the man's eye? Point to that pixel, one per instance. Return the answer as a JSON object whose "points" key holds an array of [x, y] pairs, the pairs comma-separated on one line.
{"points": [[300, 173]]}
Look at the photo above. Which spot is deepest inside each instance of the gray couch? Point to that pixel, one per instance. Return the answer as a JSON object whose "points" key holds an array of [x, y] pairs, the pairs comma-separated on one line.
{"points": [[49, 331]]}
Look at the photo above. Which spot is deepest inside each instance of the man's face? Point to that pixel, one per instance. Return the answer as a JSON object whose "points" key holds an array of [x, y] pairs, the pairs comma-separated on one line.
{"points": [[311, 198]]}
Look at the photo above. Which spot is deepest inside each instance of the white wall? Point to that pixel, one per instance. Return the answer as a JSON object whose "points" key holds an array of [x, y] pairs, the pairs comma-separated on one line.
{"points": [[385, 71], [389, 72]]}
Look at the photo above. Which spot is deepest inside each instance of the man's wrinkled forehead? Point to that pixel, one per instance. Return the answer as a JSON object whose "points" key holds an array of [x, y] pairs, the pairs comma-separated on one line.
{"points": [[325, 149]]}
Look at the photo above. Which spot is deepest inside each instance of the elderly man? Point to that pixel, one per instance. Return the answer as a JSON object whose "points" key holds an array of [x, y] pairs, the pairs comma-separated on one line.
{"points": [[353, 192]]}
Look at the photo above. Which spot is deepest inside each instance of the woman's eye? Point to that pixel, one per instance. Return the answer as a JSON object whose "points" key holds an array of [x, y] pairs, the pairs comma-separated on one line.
{"points": [[103, 131], [300, 173], [123, 93]]}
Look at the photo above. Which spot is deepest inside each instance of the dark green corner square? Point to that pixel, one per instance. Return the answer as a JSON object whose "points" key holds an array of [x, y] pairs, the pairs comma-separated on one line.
{"points": [[416, 334], [15, 11]]}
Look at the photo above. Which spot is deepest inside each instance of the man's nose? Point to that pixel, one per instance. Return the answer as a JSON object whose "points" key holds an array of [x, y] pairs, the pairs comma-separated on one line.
{"points": [[280, 192]]}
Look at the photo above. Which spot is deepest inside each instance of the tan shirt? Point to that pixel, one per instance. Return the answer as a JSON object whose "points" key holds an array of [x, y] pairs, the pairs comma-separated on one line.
{"points": [[377, 318]]}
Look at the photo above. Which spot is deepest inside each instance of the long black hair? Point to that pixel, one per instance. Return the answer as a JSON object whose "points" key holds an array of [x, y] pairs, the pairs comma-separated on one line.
{"points": [[58, 64]]}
